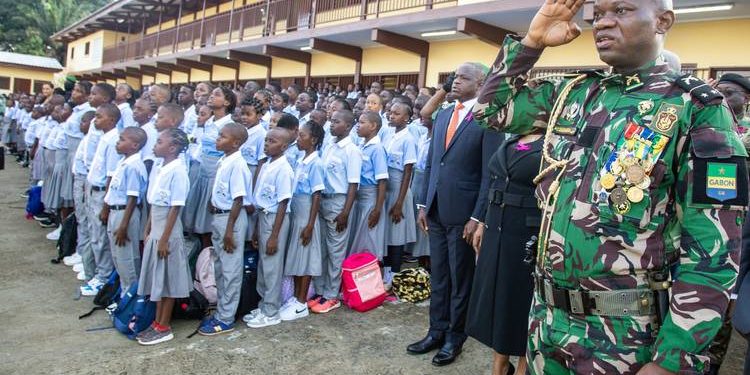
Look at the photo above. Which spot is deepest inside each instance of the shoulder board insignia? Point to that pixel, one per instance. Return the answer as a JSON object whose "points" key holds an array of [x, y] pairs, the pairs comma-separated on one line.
{"points": [[698, 89], [591, 72]]}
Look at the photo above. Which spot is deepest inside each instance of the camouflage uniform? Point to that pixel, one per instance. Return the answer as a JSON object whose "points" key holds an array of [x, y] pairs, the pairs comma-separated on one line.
{"points": [[688, 217]]}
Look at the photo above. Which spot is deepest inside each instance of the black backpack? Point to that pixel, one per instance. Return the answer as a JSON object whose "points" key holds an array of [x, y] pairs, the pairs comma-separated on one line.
{"points": [[107, 295], [249, 297], [66, 244], [195, 306]]}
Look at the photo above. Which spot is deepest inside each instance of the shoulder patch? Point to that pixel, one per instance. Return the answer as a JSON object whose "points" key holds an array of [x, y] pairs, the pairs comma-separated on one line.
{"points": [[699, 89]]}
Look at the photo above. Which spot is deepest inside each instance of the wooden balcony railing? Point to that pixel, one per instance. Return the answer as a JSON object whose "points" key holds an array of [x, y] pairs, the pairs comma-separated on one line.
{"points": [[271, 17]]}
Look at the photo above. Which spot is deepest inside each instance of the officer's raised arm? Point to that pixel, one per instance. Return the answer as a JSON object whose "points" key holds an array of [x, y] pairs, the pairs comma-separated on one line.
{"points": [[517, 107]]}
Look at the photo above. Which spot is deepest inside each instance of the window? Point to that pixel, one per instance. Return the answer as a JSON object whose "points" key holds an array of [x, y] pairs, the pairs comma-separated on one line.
{"points": [[86, 48], [4, 83], [72, 53]]}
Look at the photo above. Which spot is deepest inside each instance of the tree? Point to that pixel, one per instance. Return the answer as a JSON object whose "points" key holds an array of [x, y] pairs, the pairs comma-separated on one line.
{"points": [[28, 25]]}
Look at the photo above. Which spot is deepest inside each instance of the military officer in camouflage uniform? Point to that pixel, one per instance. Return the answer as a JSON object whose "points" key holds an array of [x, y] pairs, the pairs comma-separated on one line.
{"points": [[643, 189]]}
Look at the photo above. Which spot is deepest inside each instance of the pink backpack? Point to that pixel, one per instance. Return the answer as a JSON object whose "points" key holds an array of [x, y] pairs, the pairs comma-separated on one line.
{"points": [[362, 282]]}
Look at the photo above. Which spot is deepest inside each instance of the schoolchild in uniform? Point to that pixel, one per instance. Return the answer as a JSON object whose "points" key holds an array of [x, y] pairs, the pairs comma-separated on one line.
{"points": [[125, 191], [186, 100], [291, 124], [421, 248], [401, 148], [58, 143], [194, 150], [80, 171], [144, 114], [222, 103], [165, 274], [265, 97], [72, 130], [304, 105], [303, 257], [272, 194], [370, 222], [31, 140], [101, 170], [55, 108], [125, 98], [279, 102], [275, 119], [343, 164], [251, 112], [231, 191]]}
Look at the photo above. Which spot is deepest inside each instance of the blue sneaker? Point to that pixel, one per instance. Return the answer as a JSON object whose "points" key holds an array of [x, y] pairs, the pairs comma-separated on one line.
{"points": [[215, 327]]}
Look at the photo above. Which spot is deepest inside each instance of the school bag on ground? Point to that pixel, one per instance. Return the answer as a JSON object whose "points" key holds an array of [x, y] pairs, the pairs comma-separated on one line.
{"points": [[203, 297], [362, 282], [134, 313], [412, 285], [249, 297], [107, 295], [68, 241], [34, 205]]}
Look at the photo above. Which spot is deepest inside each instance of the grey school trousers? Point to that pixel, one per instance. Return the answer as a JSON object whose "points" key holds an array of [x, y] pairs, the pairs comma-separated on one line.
{"points": [[271, 267], [228, 267], [83, 247], [333, 247], [127, 259], [98, 237]]}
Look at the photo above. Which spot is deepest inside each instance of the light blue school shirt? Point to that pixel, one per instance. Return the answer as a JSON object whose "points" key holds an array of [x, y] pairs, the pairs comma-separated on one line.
{"points": [[211, 134], [31, 131], [293, 154], [401, 149], [95, 135], [274, 184], [309, 175], [105, 159], [374, 163], [343, 164], [169, 185], [126, 116], [73, 125], [423, 149], [252, 149], [233, 179], [128, 180], [147, 152], [416, 129], [189, 119], [79, 166]]}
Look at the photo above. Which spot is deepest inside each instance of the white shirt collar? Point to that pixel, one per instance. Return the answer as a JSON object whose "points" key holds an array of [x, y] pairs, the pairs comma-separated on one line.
{"points": [[164, 168], [310, 158], [255, 129], [132, 158], [400, 134], [222, 121], [373, 141], [344, 142], [274, 164], [469, 104], [122, 106], [112, 133], [82, 107], [190, 109]]}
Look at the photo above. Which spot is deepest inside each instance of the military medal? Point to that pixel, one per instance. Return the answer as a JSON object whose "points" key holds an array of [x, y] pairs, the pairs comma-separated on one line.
{"points": [[635, 194], [622, 208], [647, 165], [616, 168], [608, 181], [628, 161], [635, 174], [618, 196], [645, 106], [645, 183]]}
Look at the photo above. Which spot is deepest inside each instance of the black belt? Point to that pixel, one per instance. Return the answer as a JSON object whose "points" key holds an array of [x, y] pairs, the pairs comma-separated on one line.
{"points": [[217, 211], [498, 197], [121, 207], [98, 188], [627, 302]]}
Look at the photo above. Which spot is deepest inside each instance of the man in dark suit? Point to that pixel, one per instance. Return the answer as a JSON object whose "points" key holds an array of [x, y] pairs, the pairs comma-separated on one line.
{"points": [[455, 197]]}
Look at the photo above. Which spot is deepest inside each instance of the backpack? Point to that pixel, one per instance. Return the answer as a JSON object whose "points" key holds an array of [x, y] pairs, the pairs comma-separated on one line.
{"points": [[205, 279], [249, 297], [412, 284], [134, 313], [34, 205], [195, 306], [107, 295], [68, 241], [362, 282]]}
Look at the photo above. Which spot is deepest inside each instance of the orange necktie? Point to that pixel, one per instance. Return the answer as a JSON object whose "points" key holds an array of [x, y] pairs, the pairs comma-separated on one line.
{"points": [[453, 124]]}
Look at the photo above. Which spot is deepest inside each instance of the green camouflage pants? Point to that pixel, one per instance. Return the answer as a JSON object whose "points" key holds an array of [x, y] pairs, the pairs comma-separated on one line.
{"points": [[560, 343]]}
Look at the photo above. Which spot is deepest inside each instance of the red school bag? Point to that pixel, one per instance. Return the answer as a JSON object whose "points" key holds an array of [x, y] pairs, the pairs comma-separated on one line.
{"points": [[362, 282]]}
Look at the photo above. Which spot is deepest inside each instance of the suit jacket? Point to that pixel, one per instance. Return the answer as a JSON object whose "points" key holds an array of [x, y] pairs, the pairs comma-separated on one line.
{"points": [[741, 318], [457, 176]]}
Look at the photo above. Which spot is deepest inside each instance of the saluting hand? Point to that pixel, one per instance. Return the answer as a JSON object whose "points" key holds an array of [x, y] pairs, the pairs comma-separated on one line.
{"points": [[553, 24]]}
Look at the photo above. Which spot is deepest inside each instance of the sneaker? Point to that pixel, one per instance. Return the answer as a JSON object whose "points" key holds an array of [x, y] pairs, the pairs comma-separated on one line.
{"points": [[55, 234], [247, 317], [143, 334], [156, 337], [47, 224], [294, 311], [261, 320], [42, 216], [387, 279], [326, 305], [90, 291], [72, 260], [78, 267], [25, 194], [314, 300], [215, 327], [409, 259], [81, 276]]}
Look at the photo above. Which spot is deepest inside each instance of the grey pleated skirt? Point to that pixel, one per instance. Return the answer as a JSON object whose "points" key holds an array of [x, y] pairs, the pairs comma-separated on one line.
{"points": [[406, 230], [53, 185], [169, 277], [303, 260], [67, 184], [422, 246], [196, 217], [48, 167], [365, 239], [37, 165]]}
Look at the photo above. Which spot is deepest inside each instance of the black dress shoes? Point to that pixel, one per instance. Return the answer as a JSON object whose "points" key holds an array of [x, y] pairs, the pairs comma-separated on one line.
{"points": [[425, 345], [447, 354]]}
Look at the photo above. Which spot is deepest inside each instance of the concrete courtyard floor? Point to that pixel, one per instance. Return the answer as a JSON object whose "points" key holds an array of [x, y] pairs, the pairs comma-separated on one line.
{"points": [[42, 333]]}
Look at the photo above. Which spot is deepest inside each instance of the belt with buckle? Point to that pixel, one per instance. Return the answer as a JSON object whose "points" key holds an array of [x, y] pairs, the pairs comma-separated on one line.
{"points": [[98, 188], [121, 207], [217, 211], [499, 197], [624, 302]]}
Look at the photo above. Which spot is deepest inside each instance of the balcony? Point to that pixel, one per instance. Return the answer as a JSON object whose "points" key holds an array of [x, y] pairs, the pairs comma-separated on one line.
{"points": [[271, 17]]}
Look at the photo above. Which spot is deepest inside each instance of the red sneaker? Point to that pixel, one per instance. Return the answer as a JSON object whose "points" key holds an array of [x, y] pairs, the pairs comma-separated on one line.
{"points": [[326, 305], [314, 301]]}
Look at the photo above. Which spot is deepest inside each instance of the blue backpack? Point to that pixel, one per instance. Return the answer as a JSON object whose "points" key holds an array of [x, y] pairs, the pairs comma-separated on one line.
{"points": [[34, 205], [134, 313]]}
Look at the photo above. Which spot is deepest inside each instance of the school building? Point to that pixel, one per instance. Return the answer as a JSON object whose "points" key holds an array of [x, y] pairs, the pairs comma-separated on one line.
{"points": [[25, 73], [345, 41]]}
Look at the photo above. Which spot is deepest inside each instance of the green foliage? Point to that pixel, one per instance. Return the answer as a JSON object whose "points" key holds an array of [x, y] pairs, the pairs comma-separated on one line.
{"points": [[26, 26]]}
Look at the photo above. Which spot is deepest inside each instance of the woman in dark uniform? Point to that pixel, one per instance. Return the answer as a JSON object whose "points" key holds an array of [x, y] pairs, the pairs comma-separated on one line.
{"points": [[498, 312]]}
